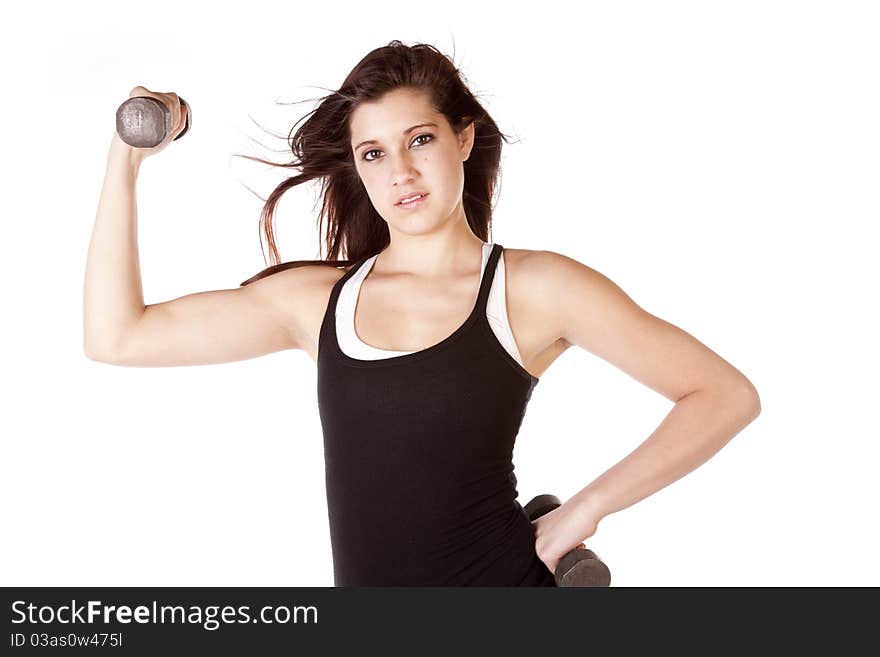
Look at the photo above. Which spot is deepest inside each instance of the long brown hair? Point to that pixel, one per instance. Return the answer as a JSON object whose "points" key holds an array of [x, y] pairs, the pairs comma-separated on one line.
{"points": [[322, 150]]}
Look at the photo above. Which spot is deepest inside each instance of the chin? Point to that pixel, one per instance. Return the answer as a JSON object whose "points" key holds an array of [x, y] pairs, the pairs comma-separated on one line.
{"points": [[416, 226]]}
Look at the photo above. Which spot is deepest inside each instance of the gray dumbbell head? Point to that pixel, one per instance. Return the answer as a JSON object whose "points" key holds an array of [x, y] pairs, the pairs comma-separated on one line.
{"points": [[143, 121]]}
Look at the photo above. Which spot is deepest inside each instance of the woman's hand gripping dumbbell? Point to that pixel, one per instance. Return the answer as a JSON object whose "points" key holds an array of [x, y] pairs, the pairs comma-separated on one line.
{"points": [[148, 121], [580, 567]]}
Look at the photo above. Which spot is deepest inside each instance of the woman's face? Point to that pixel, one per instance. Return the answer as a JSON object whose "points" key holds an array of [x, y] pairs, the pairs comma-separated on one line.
{"points": [[410, 149]]}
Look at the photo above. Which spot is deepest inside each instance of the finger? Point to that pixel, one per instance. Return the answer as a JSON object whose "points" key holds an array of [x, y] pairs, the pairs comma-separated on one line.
{"points": [[183, 113], [175, 111]]}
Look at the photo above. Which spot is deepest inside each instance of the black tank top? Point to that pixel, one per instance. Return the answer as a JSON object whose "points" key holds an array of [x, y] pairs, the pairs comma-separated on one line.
{"points": [[418, 459]]}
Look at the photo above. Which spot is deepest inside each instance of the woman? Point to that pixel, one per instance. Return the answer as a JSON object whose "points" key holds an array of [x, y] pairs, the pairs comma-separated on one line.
{"points": [[429, 338]]}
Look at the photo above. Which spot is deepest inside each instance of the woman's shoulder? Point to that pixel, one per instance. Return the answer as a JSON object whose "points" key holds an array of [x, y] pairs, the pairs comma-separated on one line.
{"points": [[539, 262], [533, 263], [303, 268], [512, 255], [539, 278], [528, 276], [300, 290], [306, 282]]}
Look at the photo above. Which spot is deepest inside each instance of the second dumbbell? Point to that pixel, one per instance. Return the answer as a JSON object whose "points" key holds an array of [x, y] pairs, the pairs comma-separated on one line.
{"points": [[579, 567]]}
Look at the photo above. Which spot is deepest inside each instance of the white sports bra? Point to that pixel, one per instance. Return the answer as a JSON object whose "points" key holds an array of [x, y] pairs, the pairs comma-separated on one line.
{"points": [[352, 346]]}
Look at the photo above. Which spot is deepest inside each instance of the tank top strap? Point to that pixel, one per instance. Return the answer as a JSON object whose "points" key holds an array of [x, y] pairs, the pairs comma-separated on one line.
{"points": [[486, 282], [337, 287]]}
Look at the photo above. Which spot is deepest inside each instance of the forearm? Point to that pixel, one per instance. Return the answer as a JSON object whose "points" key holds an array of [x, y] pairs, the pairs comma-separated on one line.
{"points": [[696, 428], [113, 295]]}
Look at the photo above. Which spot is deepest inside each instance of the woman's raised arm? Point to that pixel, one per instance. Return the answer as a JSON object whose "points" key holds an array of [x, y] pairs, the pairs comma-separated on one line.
{"points": [[202, 328]]}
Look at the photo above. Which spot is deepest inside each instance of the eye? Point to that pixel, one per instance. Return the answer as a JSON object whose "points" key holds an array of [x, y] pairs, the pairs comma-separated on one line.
{"points": [[376, 150], [424, 135]]}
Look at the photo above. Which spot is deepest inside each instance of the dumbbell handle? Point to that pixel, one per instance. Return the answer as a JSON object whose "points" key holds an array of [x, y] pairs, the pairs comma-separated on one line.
{"points": [[580, 566], [144, 122]]}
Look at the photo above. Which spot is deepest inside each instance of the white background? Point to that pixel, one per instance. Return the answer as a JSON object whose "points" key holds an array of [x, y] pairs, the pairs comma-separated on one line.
{"points": [[718, 161]]}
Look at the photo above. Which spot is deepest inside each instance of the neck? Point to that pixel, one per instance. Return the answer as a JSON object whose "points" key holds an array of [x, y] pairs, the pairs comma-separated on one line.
{"points": [[449, 251]]}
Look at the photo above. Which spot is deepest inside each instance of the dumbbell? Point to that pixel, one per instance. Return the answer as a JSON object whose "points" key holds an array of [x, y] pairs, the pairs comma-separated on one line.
{"points": [[143, 121], [580, 567]]}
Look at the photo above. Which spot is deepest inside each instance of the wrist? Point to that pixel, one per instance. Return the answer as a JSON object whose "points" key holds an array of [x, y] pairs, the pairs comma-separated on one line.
{"points": [[589, 504], [123, 154]]}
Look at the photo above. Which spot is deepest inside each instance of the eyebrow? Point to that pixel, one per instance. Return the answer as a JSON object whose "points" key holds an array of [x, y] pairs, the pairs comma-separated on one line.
{"points": [[404, 133]]}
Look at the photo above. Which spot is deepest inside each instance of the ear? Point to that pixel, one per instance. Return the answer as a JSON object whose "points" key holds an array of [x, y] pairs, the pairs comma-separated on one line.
{"points": [[466, 140]]}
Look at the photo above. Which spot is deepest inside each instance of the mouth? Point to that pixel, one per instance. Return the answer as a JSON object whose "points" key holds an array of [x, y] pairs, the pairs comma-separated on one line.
{"points": [[412, 201]]}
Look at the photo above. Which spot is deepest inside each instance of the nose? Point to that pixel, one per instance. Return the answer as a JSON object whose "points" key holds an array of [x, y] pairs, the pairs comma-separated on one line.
{"points": [[402, 172]]}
